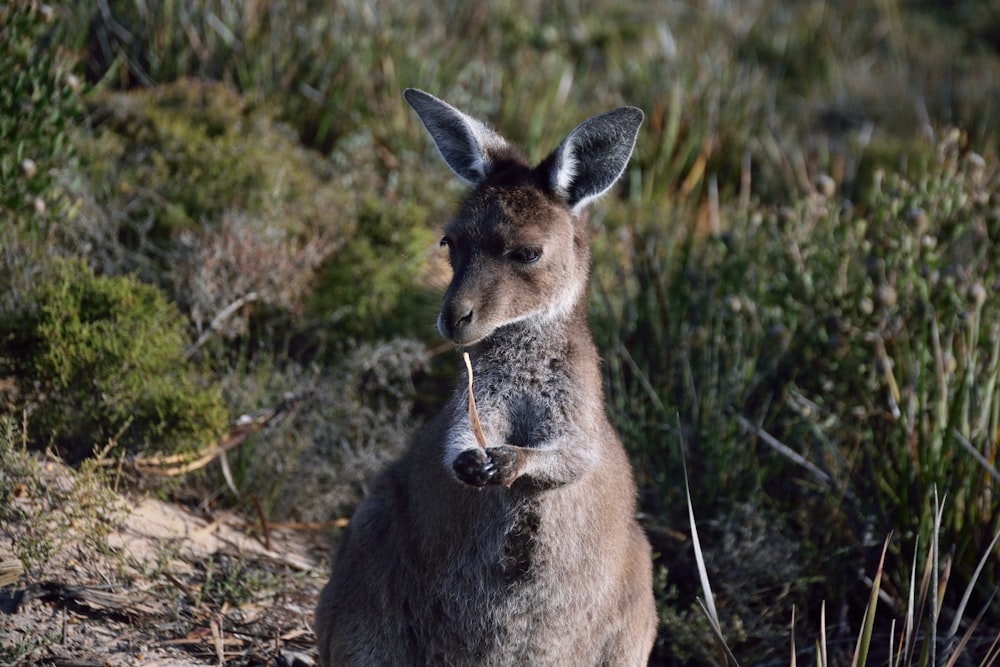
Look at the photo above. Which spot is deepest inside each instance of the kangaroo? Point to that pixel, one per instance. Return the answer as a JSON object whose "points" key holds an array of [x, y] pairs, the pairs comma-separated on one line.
{"points": [[526, 552]]}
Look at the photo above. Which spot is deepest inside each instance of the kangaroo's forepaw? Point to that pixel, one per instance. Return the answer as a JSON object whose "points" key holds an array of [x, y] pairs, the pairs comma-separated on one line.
{"points": [[474, 467], [479, 467]]}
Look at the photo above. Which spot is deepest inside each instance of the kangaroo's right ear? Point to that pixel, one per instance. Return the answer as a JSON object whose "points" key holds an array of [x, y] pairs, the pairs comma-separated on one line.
{"points": [[594, 155], [464, 143]]}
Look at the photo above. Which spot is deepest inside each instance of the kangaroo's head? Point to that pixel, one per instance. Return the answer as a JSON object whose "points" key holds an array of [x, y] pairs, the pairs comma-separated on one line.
{"points": [[518, 245]]}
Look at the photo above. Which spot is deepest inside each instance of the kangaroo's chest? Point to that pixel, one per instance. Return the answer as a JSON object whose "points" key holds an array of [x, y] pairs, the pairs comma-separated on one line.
{"points": [[522, 407]]}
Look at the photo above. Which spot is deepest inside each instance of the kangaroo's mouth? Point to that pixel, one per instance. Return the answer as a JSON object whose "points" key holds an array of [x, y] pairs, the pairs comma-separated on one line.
{"points": [[464, 339]]}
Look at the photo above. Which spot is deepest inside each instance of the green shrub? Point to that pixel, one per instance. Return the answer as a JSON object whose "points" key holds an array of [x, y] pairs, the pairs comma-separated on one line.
{"points": [[183, 155], [39, 106], [198, 191], [760, 95], [371, 287], [99, 359]]}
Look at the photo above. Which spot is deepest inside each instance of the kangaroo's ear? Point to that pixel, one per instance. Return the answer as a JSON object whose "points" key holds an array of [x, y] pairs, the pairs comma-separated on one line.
{"points": [[465, 144], [594, 155]]}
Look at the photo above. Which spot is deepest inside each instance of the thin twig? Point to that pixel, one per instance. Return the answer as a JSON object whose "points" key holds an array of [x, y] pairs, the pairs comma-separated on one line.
{"points": [[220, 319], [175, 465], [342, 522], [785, 450], [220, 650], [976, 454], [263, 522]]}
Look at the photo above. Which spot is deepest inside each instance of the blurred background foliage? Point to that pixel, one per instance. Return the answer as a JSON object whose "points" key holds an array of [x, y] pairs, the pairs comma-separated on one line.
{"points": [[210, 207]]}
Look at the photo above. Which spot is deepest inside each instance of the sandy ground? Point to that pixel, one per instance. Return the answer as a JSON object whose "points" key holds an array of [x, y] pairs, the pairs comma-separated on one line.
{"points": [[175, 589]]}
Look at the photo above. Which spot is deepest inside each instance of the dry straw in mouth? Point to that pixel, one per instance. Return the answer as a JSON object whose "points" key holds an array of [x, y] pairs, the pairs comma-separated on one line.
{"points": [[477, 427]]}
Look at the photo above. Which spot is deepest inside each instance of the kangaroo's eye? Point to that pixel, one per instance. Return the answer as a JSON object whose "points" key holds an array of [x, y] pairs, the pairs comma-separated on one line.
{"points": [[526, 255]]}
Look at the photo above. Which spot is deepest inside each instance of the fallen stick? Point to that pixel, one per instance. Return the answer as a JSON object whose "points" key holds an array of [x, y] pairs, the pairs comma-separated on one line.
{"points": [[477, 427]]}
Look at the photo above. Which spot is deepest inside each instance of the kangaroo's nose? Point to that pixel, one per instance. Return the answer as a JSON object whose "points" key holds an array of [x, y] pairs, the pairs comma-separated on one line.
{"points": [[455, 318], [464, 320]]}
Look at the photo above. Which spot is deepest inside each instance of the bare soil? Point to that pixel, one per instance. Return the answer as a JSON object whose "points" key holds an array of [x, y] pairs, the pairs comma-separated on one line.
{"points": [[173, 587]]}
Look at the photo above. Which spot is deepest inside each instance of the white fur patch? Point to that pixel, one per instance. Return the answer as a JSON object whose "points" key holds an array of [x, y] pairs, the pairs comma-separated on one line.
{"points": [[487, 143], [567, 168], [556, 308]]}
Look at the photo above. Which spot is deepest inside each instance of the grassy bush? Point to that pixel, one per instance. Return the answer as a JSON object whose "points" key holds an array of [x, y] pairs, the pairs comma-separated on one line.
{"points": [[39, 106], [372, 287], [101, 360], [347, 421], [179, 155], [771, 92], [232, 228], [168, 166], [831, 364], [51, 511]]}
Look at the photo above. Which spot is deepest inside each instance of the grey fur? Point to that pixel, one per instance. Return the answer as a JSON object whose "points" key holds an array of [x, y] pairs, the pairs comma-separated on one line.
{"points": [[528, 552]]}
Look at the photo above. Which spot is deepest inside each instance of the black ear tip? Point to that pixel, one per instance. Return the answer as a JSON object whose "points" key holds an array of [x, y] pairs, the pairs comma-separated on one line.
{"points": [[413, 95], [633, 115], [626, 119]]}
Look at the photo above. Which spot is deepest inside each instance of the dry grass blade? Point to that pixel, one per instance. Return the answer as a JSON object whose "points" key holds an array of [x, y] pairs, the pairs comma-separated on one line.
{"points": [[786, 451], [906, 638], [708, 606], [793, 661], [993, 654], [227, 474], [700, 559], [937, 591], [913, 631], [477, 428], [892, 639], [953, 630], [865, 638], [727, 657], [960, 647], [976, 454], [822, 635]]}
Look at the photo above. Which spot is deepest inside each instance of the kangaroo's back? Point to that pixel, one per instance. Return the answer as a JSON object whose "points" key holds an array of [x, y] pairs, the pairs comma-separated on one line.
{"points": [[525, 551]]}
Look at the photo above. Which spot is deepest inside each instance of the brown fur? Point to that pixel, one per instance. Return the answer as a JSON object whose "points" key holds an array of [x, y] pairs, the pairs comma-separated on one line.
{"points": [[528, 552]]}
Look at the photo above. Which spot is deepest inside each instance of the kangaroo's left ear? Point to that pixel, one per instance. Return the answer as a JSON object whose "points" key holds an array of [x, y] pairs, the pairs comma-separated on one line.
{"points": [[467, 145], [593, 156]]}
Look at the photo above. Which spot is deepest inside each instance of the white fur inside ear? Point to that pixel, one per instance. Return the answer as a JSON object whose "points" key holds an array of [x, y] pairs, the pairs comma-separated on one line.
{"points": [[594, 155], [486, 142], [566, 175], [566, 169]]}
